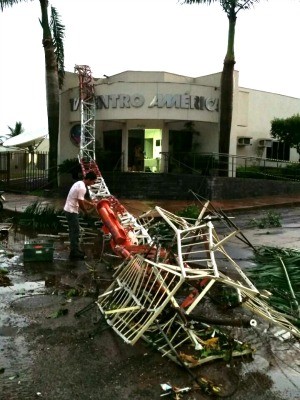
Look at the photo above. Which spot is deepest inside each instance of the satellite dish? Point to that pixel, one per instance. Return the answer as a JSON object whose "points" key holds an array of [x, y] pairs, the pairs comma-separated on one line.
{"points": [[24, 139]]}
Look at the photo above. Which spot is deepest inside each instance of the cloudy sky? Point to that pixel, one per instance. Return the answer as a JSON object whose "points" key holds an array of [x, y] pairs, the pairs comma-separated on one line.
{"points": [[112, 36]]}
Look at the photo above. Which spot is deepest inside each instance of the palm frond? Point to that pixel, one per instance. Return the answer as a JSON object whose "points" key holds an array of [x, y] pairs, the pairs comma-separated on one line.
{"points": [[278, 271], [41, 217], [17, 129], [58, 34], [8, 3]]}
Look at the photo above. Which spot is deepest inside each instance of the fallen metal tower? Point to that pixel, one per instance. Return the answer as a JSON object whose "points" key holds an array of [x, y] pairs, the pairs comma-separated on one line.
{"points": [[156, 286]]}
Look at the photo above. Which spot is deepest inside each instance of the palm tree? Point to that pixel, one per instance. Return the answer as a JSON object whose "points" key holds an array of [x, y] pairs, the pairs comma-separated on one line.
{"points": [[53, 33], [54, 68], [231, 8], [16, 130]]}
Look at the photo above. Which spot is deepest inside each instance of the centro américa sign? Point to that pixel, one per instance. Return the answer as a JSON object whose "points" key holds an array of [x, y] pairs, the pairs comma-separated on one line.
{"points": [[181, 101]]}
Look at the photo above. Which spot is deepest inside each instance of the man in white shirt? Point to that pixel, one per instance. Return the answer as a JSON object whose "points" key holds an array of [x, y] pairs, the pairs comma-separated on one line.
{"points": [[76, 201]]}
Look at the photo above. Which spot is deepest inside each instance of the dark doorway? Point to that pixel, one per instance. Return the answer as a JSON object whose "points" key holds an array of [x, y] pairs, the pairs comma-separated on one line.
{"points": [[180, 141], [136, 149], [109, 157], [180, 148]]}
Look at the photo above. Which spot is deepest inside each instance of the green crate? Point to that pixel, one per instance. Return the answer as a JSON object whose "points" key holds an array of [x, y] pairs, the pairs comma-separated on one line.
{"points": [[38, 252]]}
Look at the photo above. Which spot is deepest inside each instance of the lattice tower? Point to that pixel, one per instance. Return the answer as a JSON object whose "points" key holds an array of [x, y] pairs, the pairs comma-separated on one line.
{"points": [[87, 157], [87, 111]]}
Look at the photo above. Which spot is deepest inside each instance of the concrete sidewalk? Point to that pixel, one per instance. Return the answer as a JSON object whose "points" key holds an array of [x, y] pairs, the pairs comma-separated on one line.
{"points": [[19, 202]]}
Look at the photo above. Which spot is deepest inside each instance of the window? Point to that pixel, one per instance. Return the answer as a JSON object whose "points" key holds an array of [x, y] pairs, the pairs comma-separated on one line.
{"points": [[278, 151]]}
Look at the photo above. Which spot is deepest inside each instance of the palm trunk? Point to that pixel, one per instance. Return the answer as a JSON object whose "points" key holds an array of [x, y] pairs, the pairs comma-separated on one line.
{"points": [[226, 115], [52, 93], [227, 99]]}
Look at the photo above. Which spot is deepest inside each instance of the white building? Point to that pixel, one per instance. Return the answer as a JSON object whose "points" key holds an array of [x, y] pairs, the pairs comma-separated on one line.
{"points": [[152, 109]]}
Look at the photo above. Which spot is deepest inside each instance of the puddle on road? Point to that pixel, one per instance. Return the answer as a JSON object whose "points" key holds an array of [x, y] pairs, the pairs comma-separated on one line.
{"points": [[22, 288], [29, 279], [286, 381], [33, 285], [282, 371]]}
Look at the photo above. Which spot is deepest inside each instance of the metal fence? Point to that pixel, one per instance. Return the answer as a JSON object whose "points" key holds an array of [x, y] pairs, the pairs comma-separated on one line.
{"points": [[23, 171], [208, 164], [216, 164]]}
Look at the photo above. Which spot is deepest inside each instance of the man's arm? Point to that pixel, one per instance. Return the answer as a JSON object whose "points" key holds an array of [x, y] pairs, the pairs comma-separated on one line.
{"points": [[85, 205]]}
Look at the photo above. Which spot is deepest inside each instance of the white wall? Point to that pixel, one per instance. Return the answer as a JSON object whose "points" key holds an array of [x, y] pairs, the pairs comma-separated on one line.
{"points": [[256, 111], [253, 110]]}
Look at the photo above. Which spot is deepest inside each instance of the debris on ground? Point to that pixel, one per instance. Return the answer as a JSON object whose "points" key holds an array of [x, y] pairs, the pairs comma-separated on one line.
{"points": [[175, 286], [161, 282]]}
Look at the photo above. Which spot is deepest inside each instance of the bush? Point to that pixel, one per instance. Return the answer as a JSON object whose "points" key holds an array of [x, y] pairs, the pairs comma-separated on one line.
{"points": [[70, 166], [271, 220]]}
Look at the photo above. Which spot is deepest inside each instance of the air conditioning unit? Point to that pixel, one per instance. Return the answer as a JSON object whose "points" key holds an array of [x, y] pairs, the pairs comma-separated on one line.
{"points": [[265, 142], [244, 141]]}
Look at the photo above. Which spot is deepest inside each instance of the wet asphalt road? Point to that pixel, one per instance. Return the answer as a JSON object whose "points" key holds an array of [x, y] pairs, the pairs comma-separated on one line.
{"points": [[68, 357]]}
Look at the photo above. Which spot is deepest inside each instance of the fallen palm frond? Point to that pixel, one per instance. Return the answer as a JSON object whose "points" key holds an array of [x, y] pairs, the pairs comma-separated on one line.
{"points": [[40, 216], [278, 271]]}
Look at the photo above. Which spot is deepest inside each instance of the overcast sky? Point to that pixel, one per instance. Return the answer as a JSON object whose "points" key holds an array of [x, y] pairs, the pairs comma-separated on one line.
{"points": [[113, 36]]}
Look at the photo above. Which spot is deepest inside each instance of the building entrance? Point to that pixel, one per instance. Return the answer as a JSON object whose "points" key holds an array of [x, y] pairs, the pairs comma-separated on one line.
{"points": [[144, 147]]}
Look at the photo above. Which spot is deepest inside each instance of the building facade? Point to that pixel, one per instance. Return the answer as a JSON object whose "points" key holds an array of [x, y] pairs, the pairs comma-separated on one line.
{"points": [[158, 113]]}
